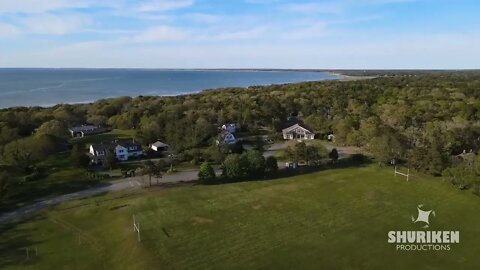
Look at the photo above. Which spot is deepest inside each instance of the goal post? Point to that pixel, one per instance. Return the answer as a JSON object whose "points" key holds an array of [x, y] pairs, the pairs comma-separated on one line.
{"points": [[136, 228], [397, 172]]}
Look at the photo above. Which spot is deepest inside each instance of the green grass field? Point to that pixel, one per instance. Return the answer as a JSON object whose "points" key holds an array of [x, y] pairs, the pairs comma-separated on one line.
{"points": [[336, 219], [116, 134]]}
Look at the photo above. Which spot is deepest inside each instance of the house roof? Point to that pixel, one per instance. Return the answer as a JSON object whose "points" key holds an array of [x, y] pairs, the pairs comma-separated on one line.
{"points": [[84, 128], [159, 144], [225, 134], [297, 125], [130, 144], [102, 147], [110, 146]]}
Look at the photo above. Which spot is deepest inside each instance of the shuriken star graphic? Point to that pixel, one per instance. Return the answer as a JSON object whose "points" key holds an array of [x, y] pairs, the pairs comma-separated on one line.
{"points": [[423, 216]]}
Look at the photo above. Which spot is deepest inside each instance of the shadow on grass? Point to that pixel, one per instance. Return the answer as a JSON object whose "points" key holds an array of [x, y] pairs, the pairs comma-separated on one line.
{"points": [[14, 244], [165, 232], [37, 192]]}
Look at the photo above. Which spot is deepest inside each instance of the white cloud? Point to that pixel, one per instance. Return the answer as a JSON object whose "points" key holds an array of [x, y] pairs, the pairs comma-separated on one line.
{"points": [[166, 33], [241, 34], [409, 51], [164, 5], [161, 34], [307, 31], [55, 25], [8, 30], [204, 18], [334, 8], [261, 1], [38, 6]]}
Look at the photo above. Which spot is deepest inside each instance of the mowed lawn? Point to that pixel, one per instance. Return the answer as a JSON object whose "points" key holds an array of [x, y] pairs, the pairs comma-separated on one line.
{"points": [[335, 219]]}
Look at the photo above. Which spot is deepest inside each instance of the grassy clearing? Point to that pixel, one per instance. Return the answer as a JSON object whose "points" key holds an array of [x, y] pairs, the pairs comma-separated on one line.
{"points": [[335, 219], [116, 134]]}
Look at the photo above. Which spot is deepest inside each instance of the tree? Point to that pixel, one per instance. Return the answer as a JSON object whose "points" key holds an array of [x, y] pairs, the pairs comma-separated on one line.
{"points": [[54, 128], [307, 153], [318, 122], [438, 159], [333, 155], [110, 160], [417, 158], [216, 153], [19, 154], [315, 153], [152, 170], [7, 134], [271, 166], [79, 158], [206, 173], [256, 163], [159, 167], [148, 168], [5, 184], [235, 166], [259, 144], [385, 148], [342, 128]]}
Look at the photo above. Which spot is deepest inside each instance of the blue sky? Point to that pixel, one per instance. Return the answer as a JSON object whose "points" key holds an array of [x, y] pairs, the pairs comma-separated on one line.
{"points": [[359, 34]]}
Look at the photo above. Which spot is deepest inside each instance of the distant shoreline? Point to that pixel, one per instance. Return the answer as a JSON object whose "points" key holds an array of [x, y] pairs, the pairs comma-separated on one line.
{"points": [[50, 87], [333, 76], [346, 78]]}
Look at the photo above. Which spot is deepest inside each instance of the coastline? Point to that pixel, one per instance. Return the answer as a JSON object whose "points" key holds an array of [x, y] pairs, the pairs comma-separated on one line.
{"points": [[162, 90], [332, 76], [347, 78]]}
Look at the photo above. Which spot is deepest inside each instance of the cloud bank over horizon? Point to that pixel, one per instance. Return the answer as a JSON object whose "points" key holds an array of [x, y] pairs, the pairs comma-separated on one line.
{"points": [[324, 34]]}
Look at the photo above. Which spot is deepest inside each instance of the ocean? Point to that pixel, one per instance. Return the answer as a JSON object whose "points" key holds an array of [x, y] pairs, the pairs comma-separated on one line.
{"points": [[48, 87]]}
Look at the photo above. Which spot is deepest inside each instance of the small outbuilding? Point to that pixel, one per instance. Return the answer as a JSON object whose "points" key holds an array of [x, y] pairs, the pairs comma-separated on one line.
{"points": [[159, 146]]}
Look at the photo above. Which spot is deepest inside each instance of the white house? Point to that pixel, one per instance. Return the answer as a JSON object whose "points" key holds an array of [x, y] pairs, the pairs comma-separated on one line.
{"points": [[98, 152], [159, 146], [331, 137], [297, 132], [129, 149], [123, 151], [227, 138]]}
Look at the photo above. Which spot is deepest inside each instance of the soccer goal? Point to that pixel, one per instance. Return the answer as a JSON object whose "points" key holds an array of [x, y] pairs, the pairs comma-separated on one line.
{"points": [[397, 172]]}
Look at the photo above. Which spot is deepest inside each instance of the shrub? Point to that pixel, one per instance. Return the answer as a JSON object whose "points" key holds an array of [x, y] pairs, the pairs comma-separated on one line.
{"points": [[207, 173]]}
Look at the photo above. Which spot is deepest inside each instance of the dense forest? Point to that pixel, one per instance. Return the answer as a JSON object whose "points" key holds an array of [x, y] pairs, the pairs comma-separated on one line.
{"points": [[424, 119]]}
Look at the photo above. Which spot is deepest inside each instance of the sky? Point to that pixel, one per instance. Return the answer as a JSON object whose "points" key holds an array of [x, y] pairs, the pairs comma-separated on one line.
{"points": [[303, 34]]}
